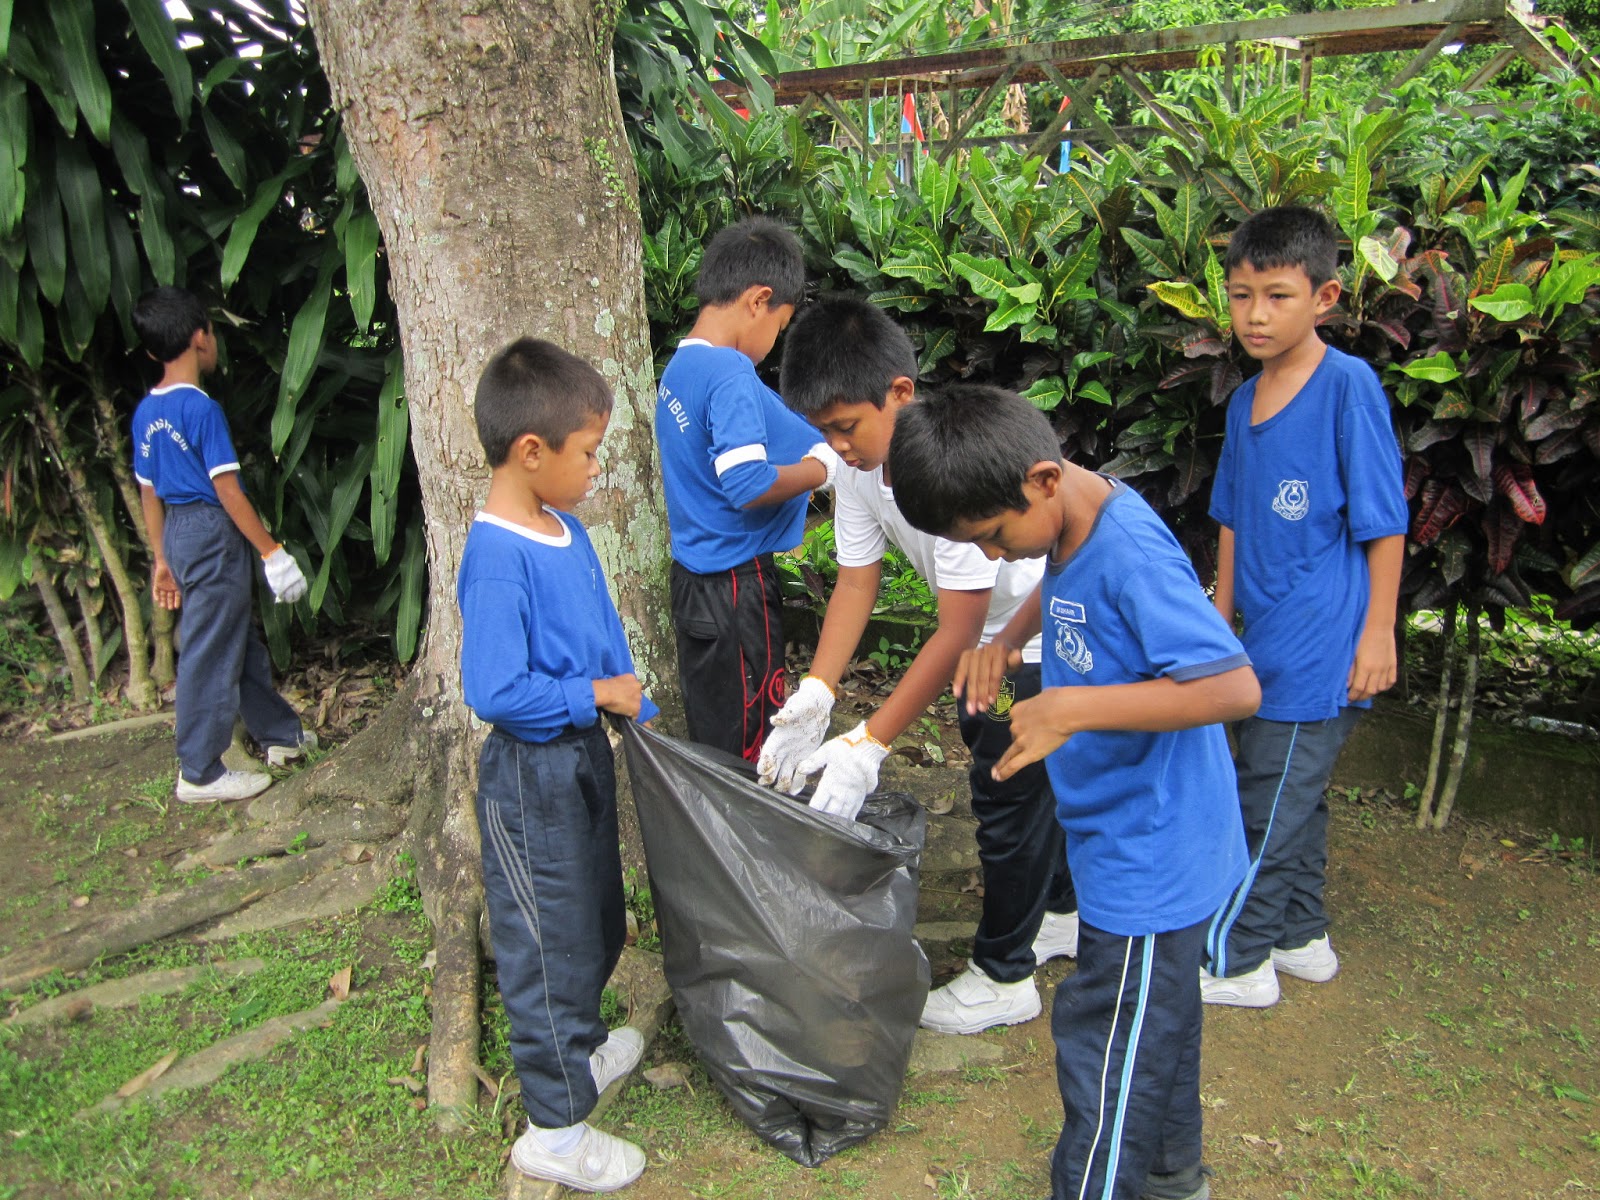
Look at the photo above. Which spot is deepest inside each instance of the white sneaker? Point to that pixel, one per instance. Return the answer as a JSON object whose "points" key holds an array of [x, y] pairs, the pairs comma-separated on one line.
{"points": [[1315, 961], [230, 785], [598, 1163], [282, 756], [617, 1055], [1253, 989], [1057, 938], [972, 1002]]}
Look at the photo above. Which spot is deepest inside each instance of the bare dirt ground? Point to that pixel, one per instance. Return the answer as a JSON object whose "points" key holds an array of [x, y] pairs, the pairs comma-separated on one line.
{"points": [[1454, 1056]]}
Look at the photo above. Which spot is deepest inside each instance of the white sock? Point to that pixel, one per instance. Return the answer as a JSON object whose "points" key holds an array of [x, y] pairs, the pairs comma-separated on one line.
{"points": [[559, 1141]]}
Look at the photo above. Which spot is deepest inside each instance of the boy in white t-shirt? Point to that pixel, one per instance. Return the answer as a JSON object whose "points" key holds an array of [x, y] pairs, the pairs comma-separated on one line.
{"points": [[849, 370]]}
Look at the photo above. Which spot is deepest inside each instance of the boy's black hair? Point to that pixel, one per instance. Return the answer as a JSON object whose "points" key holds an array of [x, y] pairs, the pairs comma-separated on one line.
{"points": [[963, 452], [843, 350], [754, 252], [535, 387], [166, 318], [1286, 236]]}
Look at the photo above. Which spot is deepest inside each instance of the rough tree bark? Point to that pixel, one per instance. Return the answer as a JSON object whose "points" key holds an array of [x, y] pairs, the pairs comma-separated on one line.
{"points": [[490, 139], [66, 636]]}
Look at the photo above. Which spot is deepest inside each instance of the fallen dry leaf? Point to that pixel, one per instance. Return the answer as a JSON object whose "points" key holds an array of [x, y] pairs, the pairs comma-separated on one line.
{"points": [[148, 1076], [667, 1076], [419, 1104], [355, 853], [490, 1084], [80, 901], [339, 984], [415, 1086], [419, 1058], [79, 1009]]}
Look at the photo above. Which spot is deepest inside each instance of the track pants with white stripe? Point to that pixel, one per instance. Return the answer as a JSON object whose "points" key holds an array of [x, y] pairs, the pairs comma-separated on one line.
{"points": [[1283, 769], [1127, 1033], [552, 880]]}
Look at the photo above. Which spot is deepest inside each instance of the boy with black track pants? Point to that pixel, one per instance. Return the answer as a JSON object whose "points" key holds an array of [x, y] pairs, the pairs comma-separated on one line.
{"points": [[1137, 668], [850, 371], [542, 655], [736, 468], [1313, 514]]}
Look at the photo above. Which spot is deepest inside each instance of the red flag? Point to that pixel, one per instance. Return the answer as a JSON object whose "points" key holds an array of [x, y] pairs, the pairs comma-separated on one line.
{"points": [[908, 118]]}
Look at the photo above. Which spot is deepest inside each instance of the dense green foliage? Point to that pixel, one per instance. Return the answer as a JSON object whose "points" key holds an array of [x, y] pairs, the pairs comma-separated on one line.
{"points": [[1470, 284]]}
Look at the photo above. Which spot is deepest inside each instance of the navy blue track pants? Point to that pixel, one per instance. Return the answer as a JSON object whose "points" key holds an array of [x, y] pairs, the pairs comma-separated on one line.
{"points": [[552, 880]]}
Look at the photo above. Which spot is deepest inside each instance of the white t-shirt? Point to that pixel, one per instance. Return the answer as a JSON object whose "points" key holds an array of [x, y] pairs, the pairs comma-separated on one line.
{"points": [[866, 520]]}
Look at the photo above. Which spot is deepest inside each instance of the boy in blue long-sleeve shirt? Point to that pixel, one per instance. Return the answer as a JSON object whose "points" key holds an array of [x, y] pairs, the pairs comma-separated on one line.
{"points": [[542, 655]]}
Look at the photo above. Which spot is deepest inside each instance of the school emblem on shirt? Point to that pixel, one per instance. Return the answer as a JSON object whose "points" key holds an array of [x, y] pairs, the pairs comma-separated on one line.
{"points": [[1000, 710], [1293, 500], [1070, 646]]}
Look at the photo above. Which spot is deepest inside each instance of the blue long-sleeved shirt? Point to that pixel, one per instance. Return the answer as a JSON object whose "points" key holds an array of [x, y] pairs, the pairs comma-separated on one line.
{"points": [[538, 628]]}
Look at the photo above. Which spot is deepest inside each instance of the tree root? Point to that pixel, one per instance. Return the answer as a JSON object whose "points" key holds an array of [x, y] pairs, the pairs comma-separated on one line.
{"points": [[160, 916], [363, 824]]}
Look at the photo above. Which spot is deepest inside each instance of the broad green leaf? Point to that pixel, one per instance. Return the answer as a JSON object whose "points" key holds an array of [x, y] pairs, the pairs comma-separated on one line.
{"points": [[30, 325], [1157, 258], [1351, 199], [1509, 302], [861, 268], [1046, 393], [1094, 390], [5, 34], [1378, 258], [81, 197], [414, 577], [126, 281], [394, 417], [243, 233], [159, 37], [938, 346], [157, 238], [305, 343], [10, 285], [901, 299], [938, 186], [918, 266], [1217, 291], [28, 60], [988, 276], [1586, 569], [361, 266], [1436, 368], [346, 495], [1452, 406], [230, 155], [46, 232], [73, 22], [15, 129], [1009, 310], [1567, 283], [1186, 298], [988, 212]]}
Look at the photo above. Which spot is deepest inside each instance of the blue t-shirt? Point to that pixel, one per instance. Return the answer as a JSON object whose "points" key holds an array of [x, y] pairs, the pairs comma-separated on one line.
{"points": [[1154, 836], [181, 443], [723, 433], [1302, 491], [537, 629]]}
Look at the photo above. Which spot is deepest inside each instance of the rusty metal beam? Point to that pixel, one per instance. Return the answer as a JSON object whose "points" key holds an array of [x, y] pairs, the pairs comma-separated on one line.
{"points": [[1501, 60], [1346, 31], [1080, 103], [1169, 121], [845, 122], [974, 113], [1423, 57]]}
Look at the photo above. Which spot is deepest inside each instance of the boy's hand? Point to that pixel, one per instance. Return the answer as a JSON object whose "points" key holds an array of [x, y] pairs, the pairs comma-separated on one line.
{"points": [[1036, 731], [1375, 668], [797, 730], [823, 453], [621, 694], [164, 587], [978, 674], [284, 577], [849, 766]]}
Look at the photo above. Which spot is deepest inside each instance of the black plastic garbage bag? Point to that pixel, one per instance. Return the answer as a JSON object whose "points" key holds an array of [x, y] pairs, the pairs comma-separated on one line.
{"points": [[787, 939]]}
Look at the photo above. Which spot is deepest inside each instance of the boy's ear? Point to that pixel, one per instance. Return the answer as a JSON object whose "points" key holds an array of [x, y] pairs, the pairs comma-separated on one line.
{"points": [[526, 450], [1046, 476], [901, 392], [757, 295], [1328, 295]]}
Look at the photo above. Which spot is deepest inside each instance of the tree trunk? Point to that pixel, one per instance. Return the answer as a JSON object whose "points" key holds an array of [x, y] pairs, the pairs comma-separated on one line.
{"points": [[66, 636], [114, 449], [90, 602], [1463, 740], [491, 143], [1441, 718], [141, 692]]}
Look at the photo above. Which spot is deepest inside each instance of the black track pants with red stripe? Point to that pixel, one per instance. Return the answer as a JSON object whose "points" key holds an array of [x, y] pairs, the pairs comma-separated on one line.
{"points": [[730, 653]]}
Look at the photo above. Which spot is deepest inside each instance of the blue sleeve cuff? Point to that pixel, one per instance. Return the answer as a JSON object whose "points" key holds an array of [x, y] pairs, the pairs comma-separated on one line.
{"points": [[648, 711], [580, 701], [1372, 534], [746, 482], [1220, 666]]}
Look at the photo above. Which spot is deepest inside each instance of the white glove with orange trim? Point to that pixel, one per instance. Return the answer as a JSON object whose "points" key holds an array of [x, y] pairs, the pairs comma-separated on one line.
{"points": [[284, 576], [797, 730], [830, 461], [849, 765]]}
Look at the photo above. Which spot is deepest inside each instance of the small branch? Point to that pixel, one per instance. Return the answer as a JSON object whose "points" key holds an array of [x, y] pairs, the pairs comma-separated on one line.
{"points": [[66, 636], [1458, 753], [1441, 717]]}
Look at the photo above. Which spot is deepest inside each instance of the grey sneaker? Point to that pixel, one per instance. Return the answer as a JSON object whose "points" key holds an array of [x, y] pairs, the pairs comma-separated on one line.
{"points": [[1253, 989], [282, 756], [1192, 1184], [1057, 937], [972, 1002], [598, 1163], [1315, 961], [617, 1055], [230, 785]]}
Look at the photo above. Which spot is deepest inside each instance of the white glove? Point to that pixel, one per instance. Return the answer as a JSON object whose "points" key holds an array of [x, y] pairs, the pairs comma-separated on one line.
{"points": [[824, 454], [849, 766], [284, 577], [797, 731]]}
